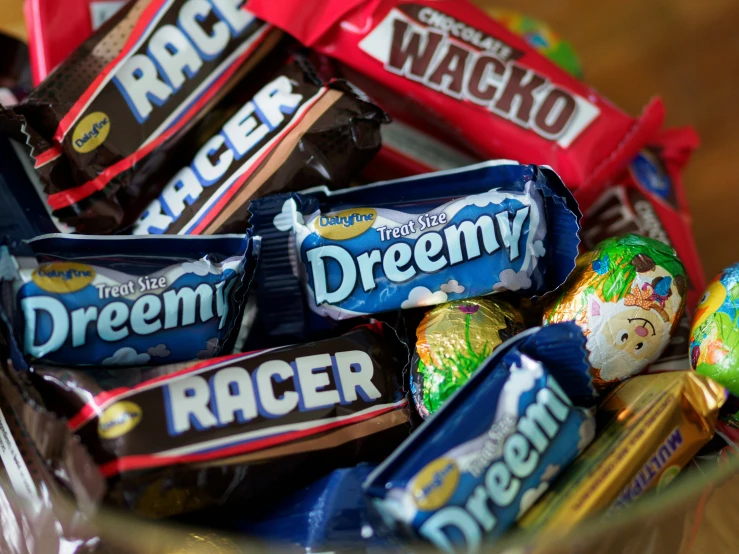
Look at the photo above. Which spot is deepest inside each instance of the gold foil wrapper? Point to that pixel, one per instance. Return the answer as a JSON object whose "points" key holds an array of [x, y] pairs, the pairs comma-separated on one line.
{"points": [[651, 426], [627, 295], [453, 339]]}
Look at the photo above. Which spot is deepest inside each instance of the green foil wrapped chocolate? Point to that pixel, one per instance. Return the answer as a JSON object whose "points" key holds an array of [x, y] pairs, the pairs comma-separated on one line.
{"points": [[452, 340]]}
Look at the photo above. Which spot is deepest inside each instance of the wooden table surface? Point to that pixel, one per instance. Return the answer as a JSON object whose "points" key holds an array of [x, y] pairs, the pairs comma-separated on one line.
{"points": [[686, 51]]}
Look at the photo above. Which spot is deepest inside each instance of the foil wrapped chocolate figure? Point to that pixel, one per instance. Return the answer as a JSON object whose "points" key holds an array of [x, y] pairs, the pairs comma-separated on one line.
{"points": [[714, 338], [627, 295], [453, 339]]}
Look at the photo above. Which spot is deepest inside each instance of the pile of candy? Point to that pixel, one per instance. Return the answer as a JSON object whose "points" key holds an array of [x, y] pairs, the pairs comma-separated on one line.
{"points": [[207, 316]]}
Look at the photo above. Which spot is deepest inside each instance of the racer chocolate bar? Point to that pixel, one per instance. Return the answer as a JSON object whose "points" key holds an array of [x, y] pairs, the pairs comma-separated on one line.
{"points": [[493, 227], [652, 425], [107, 117], [176, 438], [84, 300], [282, 131], [452, 65], [494, 447]]}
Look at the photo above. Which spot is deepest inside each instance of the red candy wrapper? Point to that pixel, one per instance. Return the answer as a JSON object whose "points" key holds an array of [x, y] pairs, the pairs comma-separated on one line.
{"points": [[55, 29], [649, 199], [479, 83]]}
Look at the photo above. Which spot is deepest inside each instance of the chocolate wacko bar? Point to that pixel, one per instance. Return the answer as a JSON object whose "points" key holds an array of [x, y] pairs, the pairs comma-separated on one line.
{"points": [[454, 67], [84, 300], [177, 438], [283, 129], [494, 447], [110, 113], [413, 242]]}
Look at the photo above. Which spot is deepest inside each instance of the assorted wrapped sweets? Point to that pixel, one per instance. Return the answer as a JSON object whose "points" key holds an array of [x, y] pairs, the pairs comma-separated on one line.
{"points": [[715, 334], [452, 341], [208, 316], [494, 447], [627, 294], [650, 427]]}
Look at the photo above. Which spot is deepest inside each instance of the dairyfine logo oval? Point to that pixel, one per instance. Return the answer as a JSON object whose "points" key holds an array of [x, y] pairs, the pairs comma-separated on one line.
{"points": [[119, 419], [63, 277], [346, 224], [435, 484], [91, 132]]}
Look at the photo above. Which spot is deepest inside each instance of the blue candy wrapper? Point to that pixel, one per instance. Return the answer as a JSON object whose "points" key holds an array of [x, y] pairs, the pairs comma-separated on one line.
{"points": [[475, 466], [492, 227], [125, 301], [330, 514]]}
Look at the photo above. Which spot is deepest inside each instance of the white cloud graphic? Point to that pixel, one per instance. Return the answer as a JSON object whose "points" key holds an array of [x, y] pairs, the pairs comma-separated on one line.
{"points": [[522, 379], [550, 472], [531, 496], [421, 296], [452, 286], [201, 268], [511, 280], [211, 349], [127, 356], [284, 220], [158, 351], [586, 433], [538, 249]]}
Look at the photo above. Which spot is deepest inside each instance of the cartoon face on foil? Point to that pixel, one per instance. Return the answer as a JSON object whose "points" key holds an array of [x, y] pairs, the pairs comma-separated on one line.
{"points": [[627, 295], [714, 338]]}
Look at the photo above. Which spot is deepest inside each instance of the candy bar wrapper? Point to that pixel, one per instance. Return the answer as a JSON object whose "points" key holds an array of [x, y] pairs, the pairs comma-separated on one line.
{"points": [[38, 512], [283, 129], [110, 301], [452, 340], [649, 200], [651, 426], [414, 242], [56, 29], [478, 463], [113, 111], [243, 427], [328, 515], [473, 78]]}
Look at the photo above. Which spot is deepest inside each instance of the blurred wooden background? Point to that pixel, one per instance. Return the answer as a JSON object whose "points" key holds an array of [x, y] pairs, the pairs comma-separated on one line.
{"points": [[686, 51]]}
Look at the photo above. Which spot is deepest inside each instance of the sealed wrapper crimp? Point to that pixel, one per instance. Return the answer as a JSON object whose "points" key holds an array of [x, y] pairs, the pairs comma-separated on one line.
{"points": [[114, 110], [651, 426], [493, 448], [493, 227], [303, 132], [115, 301], [649, 199], [241, 427], [449, 64]]}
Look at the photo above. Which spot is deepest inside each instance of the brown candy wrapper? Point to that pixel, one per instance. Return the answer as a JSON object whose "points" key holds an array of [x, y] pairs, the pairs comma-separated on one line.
{"points": [[651, 426], [284, 129], [111, 114], [179, 438]]}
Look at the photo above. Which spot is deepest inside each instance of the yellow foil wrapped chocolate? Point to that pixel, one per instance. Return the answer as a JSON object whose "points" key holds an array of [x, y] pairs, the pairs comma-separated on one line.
{"points": [[651, 426], [627, 295], [452, 341]]}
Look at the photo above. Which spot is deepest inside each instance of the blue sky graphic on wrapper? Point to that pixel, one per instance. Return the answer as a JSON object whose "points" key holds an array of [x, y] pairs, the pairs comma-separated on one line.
{"points": [[464, 248]]}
